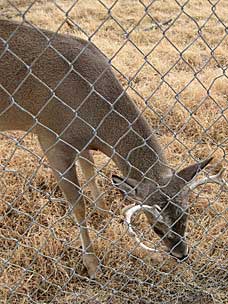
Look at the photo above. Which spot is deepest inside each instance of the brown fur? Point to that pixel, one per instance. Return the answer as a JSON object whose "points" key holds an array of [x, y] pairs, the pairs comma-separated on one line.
{"points": [[63, 89]]}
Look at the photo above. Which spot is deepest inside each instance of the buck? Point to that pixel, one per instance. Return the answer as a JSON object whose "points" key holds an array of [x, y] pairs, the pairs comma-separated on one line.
{"points": [[63, 89]]}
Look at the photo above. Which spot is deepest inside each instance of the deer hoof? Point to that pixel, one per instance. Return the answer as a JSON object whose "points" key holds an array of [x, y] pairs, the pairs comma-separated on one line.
{"points": [[91, 263]]}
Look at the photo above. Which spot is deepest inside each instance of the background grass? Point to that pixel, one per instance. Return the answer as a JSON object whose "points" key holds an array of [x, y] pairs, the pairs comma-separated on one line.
{"points": [[184, 82]]}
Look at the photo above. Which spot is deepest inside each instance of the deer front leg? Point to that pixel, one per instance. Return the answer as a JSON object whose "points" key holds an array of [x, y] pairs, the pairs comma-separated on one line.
{"points": [[87, 165], [89, 258], [62, 161]]}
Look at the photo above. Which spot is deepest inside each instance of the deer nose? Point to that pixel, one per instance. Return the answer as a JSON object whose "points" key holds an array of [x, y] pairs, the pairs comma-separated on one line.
{"points": [[183, 258], [180, 259]]}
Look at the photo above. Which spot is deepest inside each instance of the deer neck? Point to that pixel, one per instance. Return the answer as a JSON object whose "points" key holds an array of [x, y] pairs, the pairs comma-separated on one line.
{"points": [[138, 153], [145, 161]]}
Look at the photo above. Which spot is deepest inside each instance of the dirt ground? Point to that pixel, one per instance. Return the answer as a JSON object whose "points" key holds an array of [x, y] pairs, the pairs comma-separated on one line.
{"points": [[184, 82]]}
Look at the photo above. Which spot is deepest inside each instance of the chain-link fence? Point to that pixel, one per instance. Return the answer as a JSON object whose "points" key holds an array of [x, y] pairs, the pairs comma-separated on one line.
{"points": [[61, 106]]}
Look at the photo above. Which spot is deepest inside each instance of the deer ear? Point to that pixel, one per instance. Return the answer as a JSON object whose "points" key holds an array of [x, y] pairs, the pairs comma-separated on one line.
{"points": [[188, 173], [130, 187]]}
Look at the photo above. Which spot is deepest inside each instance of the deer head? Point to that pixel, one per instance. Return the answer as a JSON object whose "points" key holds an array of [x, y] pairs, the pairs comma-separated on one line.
{"points": [[165, 205]]}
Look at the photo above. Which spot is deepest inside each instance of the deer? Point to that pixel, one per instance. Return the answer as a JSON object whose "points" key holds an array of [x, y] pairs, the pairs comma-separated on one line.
{"points": [[63, 89]]}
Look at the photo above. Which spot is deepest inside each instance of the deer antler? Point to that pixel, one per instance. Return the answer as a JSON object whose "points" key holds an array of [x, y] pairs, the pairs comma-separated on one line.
{"points": [[218, 179], [129, 211]]}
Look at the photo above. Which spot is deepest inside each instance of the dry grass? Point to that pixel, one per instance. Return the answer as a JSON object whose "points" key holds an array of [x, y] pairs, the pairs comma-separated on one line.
{"points": [[40, 248]]}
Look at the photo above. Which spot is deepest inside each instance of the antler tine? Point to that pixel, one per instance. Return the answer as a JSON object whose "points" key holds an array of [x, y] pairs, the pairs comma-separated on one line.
{"points": [[129, 211], [218, 179]]}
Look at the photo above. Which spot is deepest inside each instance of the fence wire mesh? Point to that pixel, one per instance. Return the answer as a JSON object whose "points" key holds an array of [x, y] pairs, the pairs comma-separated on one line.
{"points": [[171, 59]]}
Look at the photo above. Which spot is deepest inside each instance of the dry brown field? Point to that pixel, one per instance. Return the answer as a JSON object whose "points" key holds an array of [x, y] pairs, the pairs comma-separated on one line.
{"points": [[184, 86]]}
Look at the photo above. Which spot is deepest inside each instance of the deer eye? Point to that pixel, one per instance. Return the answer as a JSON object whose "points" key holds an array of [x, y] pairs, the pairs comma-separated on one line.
{"points": [[170, 237]]}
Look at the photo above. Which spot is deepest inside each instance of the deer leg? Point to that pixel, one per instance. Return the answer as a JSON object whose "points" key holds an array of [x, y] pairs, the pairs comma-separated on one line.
{"points": [[62, 161], [87, 165]]}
